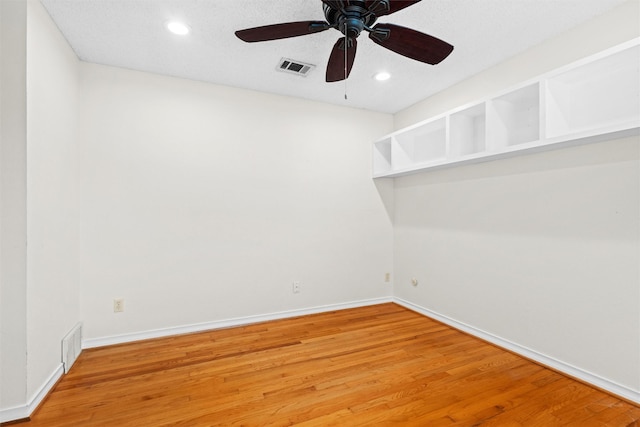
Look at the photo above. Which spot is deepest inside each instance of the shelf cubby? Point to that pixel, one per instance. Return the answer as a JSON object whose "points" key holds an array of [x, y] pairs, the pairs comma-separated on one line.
{"points": [[421, 145], [467, 131], [599, 94], [382, 157], [514, 118]]}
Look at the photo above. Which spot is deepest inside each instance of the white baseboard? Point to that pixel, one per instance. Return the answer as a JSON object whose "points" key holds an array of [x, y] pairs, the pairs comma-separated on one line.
{"points": [[226, 323], [573, 371], [25, 411]]}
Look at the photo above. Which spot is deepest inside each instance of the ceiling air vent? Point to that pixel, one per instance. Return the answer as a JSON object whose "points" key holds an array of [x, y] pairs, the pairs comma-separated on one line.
{"points": [[294, 67]]}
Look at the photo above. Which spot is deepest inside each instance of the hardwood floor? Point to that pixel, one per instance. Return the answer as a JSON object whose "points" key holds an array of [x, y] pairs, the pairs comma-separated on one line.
{"points": [[378, 365]]}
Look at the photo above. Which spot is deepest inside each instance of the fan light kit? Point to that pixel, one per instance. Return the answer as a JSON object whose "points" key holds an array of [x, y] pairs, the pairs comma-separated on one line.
{"points": [[351, 17], [177, 28]]}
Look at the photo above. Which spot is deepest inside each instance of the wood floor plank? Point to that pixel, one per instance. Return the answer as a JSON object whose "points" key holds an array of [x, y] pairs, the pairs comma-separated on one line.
{"points": [[377, 365]]}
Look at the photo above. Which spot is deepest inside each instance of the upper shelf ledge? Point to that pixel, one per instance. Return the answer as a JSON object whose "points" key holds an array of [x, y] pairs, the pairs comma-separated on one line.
{"points": [[591, 100]]}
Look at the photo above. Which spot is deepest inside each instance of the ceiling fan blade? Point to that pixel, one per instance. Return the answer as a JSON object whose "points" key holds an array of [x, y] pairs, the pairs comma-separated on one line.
{"points": [[336, 65], [282, 31], [411, 43], [377, 8]]}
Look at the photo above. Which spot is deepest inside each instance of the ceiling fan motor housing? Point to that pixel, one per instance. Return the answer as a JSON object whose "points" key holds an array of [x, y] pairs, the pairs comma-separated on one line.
{"points": [[351, 20]]}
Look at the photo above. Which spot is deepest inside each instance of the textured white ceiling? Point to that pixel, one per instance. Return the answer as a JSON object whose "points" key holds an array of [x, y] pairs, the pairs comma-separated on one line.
{"points": [[131, 34]]}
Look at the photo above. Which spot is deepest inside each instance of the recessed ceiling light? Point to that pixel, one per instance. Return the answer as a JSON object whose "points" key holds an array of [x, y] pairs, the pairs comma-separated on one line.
{"points": [[177, 28], [382, 76]]}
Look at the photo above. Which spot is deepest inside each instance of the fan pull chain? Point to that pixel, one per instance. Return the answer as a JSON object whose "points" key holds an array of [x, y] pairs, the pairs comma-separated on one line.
{"points": [[346, 46]]}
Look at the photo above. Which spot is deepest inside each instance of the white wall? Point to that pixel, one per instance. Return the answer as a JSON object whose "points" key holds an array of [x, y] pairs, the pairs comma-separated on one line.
{"points": [[39, 292], [542, 250], [13, 143], [202, 203], [52, 195]]}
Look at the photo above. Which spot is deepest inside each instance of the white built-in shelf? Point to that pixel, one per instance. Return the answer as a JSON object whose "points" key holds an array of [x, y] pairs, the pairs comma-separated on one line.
{"points": [[594, 99]]}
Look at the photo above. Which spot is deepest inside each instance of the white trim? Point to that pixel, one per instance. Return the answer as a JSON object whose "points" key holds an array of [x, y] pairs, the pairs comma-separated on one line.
{"points": [[573, 371], [14, 414], [226, 323], [25, 411]]}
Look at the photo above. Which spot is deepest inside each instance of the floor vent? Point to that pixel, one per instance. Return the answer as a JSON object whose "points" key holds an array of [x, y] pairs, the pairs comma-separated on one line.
{"points": [[294, 67], [71, 347]]}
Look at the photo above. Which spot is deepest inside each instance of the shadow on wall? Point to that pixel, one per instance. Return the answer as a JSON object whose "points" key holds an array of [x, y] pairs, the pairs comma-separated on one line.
{"points": [[385, 187], [578, 192], [562, 159]]}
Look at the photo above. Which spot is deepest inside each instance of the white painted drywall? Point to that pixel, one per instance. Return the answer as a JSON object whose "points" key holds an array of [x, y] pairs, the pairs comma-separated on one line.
{"points": [[541, 250], [52, 195], [13, 147], [203, 202]]}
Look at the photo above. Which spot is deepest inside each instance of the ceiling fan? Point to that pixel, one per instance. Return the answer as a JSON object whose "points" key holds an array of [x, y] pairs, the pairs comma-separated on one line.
{"points": [[351, 17]]}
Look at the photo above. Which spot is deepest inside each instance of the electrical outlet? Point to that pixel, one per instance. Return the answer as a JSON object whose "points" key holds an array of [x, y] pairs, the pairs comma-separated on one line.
{"points": [[414, 281], [387, 277], [118, 305], [296, 287]]}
